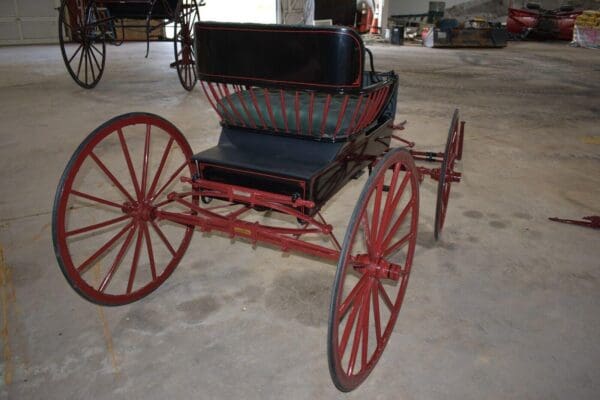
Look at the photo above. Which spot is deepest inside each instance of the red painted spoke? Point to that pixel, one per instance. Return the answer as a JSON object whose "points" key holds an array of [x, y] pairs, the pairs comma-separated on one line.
{"points": [[376, 210], [111, 176], [398, 244], [376, 314], [365, 333], [384, 295], [96, 226], [150, 252], [358, 331], [389, 211], [397, 225], [96, 199], [163, 160], [169, 181], [162, 236], [352, 295], [348, 328], [111, 272], [136, 258], [367, 231], [129, 163], [83, 267], [145, 161]]}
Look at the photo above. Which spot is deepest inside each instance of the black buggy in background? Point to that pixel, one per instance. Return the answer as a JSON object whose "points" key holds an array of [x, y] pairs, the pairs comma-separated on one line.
{"points": [[86, 26]]}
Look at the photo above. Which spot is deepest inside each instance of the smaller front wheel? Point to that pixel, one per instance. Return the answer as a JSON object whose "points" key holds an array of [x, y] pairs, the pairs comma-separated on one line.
{"points": [[373, 269], [452, 153], [109, 242]]}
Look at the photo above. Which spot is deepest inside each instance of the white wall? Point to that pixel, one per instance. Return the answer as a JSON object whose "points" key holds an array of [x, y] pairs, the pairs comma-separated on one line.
{"points": [[259, 11]]}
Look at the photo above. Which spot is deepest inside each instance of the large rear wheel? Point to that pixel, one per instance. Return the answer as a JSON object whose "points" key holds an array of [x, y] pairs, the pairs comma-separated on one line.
{"points": [[108, 241], [373, 269]]}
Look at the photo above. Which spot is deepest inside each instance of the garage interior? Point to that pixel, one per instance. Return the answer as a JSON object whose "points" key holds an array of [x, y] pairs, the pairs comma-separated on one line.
{"points": [[506, 305]]}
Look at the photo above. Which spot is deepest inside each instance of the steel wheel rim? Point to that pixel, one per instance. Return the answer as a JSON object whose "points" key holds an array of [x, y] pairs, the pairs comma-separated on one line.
{"points": [[86, 63], [138, 234], [185, 57], [447, 168], [357, 303]]}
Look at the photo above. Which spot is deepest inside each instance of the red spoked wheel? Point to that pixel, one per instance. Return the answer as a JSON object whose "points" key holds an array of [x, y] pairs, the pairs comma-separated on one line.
{"points": [[373, 269], [81, 33], [185, 57], [108, 241], [452, 153]]}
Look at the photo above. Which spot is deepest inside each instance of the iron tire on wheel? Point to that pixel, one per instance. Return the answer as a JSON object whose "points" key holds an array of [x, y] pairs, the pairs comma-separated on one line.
{"points": [[369, 269], [187, 15], [452, 153], [86, 63], [98, 196]]}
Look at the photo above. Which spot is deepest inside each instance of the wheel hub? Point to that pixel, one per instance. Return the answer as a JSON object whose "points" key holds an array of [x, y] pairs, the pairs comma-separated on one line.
{"points": [[141, 211], [378, 268]]}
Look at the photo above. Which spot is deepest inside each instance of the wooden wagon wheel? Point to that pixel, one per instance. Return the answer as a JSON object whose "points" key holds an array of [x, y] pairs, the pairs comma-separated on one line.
{"points": [[373, 269], [187, 15], [109, 244], [81, 33], [452, 153]]}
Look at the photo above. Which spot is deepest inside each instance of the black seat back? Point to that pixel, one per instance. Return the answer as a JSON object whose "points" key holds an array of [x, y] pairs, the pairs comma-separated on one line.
{"points": [[328, 59]]}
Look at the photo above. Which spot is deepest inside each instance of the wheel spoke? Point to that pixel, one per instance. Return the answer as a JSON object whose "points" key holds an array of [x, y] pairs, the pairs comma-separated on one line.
{"points": [[365, 333], [80, 62], [111, 272], [95, 59], [376, 315], [111, 176], [83, 267], [170, 180], [384, 295], [129, 163], [150, 252], [348, 327], [145, 161], [397, 225], [389, 211], [358, 331], [136, 258], [396, 246], [75, 54], [160, 168], [162, 236], [96, 199], [89, 57], [90, 228], [376, 209], [352, 295]]}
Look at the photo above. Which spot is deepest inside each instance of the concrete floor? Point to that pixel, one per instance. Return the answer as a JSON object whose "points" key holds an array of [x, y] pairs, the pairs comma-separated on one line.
{"points": [[505, 306]]}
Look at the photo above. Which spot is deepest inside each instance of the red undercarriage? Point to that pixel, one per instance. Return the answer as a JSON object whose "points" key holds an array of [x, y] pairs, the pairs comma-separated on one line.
{"points": [[209, 219]]}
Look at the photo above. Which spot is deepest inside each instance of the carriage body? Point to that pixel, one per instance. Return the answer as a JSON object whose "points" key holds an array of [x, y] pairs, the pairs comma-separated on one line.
{"points": [[304, 120], [302, 113]]}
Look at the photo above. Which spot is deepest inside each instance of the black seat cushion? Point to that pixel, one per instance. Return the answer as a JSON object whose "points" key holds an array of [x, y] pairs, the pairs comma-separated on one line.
{"points": [[270, 154]]}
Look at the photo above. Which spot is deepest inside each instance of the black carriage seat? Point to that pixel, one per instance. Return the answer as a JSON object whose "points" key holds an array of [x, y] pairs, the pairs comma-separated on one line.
{"points": [[290, 99]]}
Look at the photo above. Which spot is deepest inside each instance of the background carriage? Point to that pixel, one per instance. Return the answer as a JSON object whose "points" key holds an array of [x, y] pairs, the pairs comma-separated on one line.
{"points": [[86, 26]]}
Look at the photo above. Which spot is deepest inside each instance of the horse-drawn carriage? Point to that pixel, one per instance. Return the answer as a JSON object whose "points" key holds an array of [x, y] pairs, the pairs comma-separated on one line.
{"points": [[301, 116], [85, 26]]}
